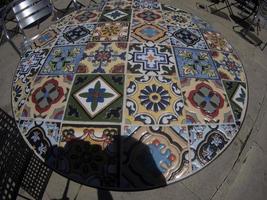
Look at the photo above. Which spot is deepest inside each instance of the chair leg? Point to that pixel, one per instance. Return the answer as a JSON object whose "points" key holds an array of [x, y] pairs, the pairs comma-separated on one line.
{"points": [[264, 46]]}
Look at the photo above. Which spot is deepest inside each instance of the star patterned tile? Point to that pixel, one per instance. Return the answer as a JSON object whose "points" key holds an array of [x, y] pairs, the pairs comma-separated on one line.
{"points": [[85, 15], [153, 100], [76, 34], [206, 102], [186, 37], [62, 60], [96, 98], [148, 16], [193, 63], [150, 59], [103, 58], [116, 14], [111, 32], [180, 19]]}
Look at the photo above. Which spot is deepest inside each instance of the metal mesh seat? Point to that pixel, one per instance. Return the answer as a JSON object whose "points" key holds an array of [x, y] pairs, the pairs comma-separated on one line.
{"points": [[18, 166]]}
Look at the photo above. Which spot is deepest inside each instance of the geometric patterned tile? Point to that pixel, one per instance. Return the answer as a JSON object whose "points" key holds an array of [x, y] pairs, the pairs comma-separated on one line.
{"points": [[153, 100], [85, 15], [153, 156], [151, 59], [180, 19], [193, 63], [103, 58], [216, 41], [118, 4], [229, 66], [148, 16], [237, 95], [76, 34], [150, 4], [205, 102], [116, 14], [145, 32], [189, 38], [36, 134], [96, 98], [89, 154], [208, 141], [111, 32], [48, 97], [62, 60], [30, 64]]}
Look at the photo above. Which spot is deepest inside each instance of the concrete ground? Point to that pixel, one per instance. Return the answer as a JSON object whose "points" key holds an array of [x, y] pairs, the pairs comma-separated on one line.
{"points": [[239, 173]]}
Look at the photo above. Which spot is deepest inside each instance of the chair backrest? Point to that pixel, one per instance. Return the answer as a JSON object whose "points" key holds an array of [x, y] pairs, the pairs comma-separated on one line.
{"points": [[28, 12]]}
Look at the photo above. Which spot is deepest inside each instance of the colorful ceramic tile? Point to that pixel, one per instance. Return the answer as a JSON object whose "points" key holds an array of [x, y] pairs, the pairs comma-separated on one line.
{"points": [[118, 4], [90, 153], [111, 32], [153, 100], [85, 15], [237, 95], [180, 19], [229, 66], [46, 39], [29, 66], [42, 135], [193, 63], [153, 156], [96, 98], [216, 41], [103, 58], [62, 22], [150, 4], [116, 14], [205, 102], [151, 59], [48, 97], [208, 141], [148, 16], [186, 37], [62, 60], [145, 32], [77, 34]]}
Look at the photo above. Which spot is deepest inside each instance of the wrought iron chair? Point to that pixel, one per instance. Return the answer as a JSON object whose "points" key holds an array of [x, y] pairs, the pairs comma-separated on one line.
{"points": [[26, 13], [18, 166]]}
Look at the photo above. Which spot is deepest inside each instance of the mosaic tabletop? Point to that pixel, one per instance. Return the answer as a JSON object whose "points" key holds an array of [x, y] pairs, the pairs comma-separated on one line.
{"points": [[129, 95]]}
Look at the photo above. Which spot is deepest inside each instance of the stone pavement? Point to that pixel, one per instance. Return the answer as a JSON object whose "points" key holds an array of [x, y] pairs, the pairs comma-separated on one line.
{"points": [[238, 173]]}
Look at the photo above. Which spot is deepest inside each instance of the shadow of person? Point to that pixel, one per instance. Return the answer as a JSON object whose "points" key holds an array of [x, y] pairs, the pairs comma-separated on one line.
{"points": [[110, 163]]}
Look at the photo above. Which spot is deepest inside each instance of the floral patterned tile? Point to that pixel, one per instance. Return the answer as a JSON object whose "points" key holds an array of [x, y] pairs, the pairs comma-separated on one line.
{"points": [[186, 37], [28, 67], [237, 95], [193, 63], [96, 98], [89, 154], [62, 60], [153, 100], [111, 32], [180, 19], [146, 32], [76, 34], [48, 97], [85, 15], [46, 39], [229, 66], [116, 14], [103, 58], [208, 141], [150, 4], [42, 135], [216, 41], [148, 16], [151, 59], [153, 156], [206, 102]]}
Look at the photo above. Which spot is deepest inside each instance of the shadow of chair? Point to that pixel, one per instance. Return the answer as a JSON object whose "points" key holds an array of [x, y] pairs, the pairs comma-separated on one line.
{"points": [[19, 167]]}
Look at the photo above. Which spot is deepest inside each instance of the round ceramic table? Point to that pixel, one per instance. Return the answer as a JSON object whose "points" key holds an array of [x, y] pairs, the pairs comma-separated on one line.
{"points": [[129, 95]]}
